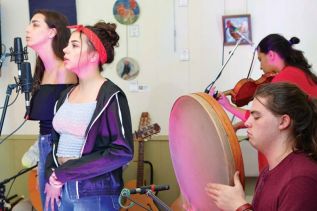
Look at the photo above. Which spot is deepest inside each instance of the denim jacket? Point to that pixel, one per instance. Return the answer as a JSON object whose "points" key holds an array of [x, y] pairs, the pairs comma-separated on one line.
{"points": [[108, 146]]}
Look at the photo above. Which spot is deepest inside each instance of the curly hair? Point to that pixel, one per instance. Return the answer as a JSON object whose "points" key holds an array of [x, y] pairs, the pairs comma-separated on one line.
{"points": [[107, 34]]}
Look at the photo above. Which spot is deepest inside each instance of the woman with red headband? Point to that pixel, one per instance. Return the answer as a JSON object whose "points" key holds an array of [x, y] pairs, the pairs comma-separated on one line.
{"points": [[92, 136]]}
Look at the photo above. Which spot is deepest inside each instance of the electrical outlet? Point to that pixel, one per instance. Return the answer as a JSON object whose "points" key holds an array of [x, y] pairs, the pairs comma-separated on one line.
{"points": [[184, 54], [133, 86], [144, 88], [134, 30]]}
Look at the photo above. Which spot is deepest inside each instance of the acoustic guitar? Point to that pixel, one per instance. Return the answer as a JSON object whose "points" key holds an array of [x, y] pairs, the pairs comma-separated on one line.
{"points": [[145, 130], [33, 188], [177, 205]]}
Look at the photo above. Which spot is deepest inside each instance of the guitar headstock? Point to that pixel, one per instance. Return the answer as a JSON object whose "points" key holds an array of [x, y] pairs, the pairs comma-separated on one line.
{"points": [[144, 120], [147, 131]]}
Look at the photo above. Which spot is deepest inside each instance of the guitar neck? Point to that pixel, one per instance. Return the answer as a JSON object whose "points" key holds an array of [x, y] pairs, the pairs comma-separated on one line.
{"points": [[145, 130], [140, 168]]}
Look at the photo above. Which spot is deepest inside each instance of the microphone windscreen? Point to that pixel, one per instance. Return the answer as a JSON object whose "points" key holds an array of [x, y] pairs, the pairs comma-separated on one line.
{"points": [[26, 77], [18, 50]]}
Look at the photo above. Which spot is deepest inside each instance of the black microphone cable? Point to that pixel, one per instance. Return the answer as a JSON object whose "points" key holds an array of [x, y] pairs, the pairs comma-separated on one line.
{"points": [[251, 65], [16, 97], [5, 138], [22, 171], [9, 190]]}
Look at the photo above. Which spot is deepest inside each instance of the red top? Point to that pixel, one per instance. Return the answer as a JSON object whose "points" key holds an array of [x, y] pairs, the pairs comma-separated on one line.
{"points": [[291, 185], [297, 77]]}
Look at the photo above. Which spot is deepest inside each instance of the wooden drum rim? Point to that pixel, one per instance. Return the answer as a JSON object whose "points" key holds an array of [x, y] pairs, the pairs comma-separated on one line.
{"points": [[233, 139]]}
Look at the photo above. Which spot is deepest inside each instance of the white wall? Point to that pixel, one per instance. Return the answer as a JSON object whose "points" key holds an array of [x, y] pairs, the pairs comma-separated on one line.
{"points": [[197, 27]]}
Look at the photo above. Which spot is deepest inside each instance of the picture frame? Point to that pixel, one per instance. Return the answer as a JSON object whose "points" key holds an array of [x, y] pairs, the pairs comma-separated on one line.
{"points": [[128, 68], [126, 12], [234, 26]]}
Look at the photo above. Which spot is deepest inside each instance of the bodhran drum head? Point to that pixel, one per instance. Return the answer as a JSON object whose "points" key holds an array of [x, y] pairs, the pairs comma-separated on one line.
{"points": [[203, 146]]}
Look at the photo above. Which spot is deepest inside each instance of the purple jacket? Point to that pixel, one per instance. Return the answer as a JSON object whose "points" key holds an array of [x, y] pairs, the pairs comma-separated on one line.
{"points": [[108, 146]]}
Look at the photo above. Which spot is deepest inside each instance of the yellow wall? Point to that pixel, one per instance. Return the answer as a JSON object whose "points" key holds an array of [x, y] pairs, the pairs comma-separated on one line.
{"points": [[11, 152]]}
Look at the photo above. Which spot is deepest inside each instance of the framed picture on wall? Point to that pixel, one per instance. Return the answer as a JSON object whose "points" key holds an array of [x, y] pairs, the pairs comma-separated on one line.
{"points": [[126, 12], [128, 68], [235, 26]]}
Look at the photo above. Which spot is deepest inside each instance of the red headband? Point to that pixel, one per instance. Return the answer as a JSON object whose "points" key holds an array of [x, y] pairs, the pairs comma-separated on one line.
{"points": [[94, 39]]}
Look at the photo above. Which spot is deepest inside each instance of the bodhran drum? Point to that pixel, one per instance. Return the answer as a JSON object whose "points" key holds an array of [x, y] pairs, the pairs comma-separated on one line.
{"points": [[203, 146]]}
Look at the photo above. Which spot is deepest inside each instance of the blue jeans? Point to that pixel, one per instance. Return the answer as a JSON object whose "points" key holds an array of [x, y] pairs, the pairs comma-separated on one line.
{"points": [[69, 201], [45, 147]]}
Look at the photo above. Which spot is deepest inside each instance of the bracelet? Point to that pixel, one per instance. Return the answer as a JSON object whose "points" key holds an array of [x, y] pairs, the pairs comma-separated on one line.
{"points": [[56, 186], [245, 207]]}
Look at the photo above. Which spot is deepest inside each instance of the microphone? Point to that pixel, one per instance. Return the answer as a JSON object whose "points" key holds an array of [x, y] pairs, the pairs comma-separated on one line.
{"points": [[26, 82], [153, 188], [18, 53]]}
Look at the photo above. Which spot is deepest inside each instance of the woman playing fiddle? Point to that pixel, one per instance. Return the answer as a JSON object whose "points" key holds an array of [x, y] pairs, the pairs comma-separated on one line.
{"points": [[277, 55]]}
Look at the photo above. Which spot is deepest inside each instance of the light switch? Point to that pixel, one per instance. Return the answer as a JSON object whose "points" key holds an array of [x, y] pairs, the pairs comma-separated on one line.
{"points": [[184, 54], [134, 30], [144, 88], [133, 86]]}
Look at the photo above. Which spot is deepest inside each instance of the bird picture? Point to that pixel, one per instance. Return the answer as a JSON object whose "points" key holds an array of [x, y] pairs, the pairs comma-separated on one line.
{"points": [[235, 27]]}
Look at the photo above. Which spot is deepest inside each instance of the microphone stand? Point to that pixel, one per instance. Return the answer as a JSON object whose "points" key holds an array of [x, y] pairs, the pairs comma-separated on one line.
{"points": [[2, 187], [18, 54], [157, 201], [10, 87], [225, 64], [125, 193]]}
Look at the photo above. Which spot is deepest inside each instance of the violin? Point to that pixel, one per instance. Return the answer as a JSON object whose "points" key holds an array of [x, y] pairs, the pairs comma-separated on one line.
{"points": [[243, 91]]}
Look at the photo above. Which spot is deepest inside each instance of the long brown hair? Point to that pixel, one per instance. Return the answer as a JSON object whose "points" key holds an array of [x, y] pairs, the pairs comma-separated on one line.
{"points": [[58, 21], [285, 50], [285, 98]]}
